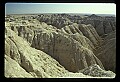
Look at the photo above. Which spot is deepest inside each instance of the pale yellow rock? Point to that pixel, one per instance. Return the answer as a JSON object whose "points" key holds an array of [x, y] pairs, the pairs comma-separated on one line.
{"points": [[14, 70], [32, 59], [42, 50]]}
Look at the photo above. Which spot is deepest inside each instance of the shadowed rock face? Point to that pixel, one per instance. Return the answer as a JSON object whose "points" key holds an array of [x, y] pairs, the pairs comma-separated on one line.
{"points": [[29, 42], [107, 51], [102, 26]]}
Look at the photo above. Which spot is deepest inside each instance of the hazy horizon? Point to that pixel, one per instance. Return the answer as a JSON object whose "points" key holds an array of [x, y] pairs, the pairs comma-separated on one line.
{"points": [[82, 8]]}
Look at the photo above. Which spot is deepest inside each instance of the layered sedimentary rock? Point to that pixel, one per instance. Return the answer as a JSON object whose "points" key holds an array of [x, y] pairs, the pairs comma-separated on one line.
{"points": [[57, 20], [107, 51], [24, 61], [69, 52], [27, 61], [67, 49], [32, 45], [103, 25], [85, 30]]}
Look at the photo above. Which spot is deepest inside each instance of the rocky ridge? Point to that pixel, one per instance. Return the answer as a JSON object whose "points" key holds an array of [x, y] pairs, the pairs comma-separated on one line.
{"points": [[73, 46], [103, 25]]}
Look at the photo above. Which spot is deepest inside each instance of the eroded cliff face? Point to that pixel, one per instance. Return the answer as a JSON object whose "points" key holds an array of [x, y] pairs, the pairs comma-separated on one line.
{"points": [[32, 61], [36, 48], [103, 25], [72, 52], [106, 52]]}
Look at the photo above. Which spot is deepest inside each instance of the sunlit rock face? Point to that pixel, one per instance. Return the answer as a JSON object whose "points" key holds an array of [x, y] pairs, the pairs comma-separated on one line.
{"points": [[102, 24], [41, 50], [96, 71], [21, 60]]}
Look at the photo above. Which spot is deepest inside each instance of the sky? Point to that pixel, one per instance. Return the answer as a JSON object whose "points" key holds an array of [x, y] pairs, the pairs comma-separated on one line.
{"points": [[90, 8]]}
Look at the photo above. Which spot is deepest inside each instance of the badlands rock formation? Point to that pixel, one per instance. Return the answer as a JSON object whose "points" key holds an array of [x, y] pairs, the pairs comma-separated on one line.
{"points": [[37, 49], [96, 71], [21, 60], [107, 51], [103, 25]]}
